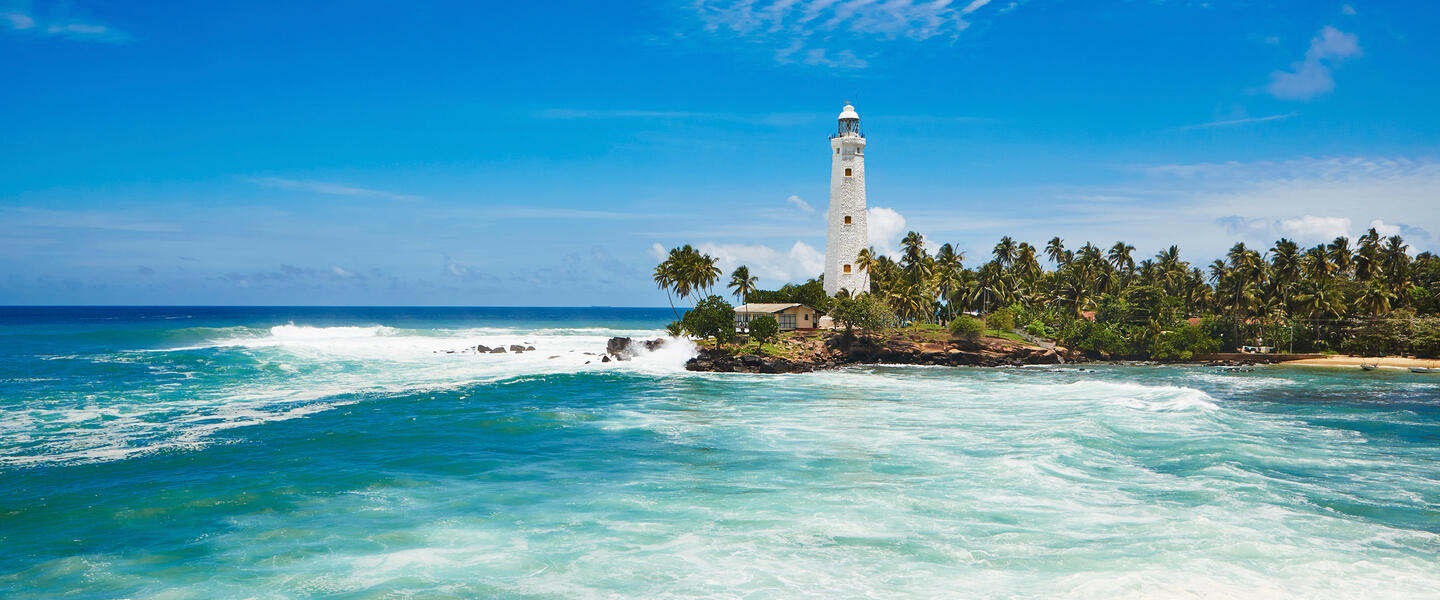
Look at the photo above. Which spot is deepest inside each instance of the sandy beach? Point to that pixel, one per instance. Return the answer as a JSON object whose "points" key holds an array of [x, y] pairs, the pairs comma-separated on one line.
{"points": [[1342, 360]]}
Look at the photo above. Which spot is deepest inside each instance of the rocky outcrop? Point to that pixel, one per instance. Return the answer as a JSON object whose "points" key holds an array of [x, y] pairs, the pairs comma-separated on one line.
{"points": [[824, 351], [722, 361], [624, 348]]}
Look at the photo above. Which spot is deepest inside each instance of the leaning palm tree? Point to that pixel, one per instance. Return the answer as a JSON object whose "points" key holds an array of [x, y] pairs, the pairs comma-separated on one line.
{"points": [[665, 279], [865, 259], [743, 283]]}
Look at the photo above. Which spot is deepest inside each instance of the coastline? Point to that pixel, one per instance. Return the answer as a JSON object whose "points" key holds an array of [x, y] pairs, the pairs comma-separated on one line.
{"points": [[1346, 361], [805, 351]]}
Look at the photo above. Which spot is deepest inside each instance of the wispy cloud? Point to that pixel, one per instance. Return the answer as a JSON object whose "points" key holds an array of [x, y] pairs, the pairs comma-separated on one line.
{"points": [[800, 203], [1234, 122], [59, 24], [1313, 76], [800, 29], [326, 188]]}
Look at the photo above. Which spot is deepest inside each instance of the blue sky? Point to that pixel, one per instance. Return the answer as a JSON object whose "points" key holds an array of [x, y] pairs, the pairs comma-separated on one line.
{"points": [[539, 153]]}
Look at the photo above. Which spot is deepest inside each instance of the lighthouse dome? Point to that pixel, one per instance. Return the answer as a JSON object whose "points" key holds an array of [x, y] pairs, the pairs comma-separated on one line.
{"points": [[849, 113]]}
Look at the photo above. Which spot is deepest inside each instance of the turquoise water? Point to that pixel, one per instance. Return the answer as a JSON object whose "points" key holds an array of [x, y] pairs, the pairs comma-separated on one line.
{"points": [[341, 453]]}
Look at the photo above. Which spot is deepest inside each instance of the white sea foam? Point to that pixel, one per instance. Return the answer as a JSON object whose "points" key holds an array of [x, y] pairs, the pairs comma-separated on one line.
{"points": [[317, 368]]}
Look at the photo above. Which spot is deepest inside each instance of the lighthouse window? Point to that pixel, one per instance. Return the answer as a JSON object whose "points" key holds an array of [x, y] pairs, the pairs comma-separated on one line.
{"points": [[847, 219], [837, 150], [847, 268], [847, 171]]}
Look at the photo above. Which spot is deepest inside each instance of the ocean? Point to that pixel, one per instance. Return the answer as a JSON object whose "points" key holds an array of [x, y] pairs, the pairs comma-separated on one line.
{"points": [[347, 453]]}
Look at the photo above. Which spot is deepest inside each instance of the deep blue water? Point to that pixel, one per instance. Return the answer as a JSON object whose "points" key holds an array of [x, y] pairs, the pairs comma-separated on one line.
{"points": [[343, 453]]}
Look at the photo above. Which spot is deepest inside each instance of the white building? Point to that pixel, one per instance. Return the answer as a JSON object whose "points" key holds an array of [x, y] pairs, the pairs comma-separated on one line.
{"points": [[846, 235]]}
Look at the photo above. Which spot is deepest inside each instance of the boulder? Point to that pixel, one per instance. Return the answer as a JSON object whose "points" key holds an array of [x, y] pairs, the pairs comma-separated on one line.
{"points": [[517, 348], [624, 348], [482, 348], [497, 351]]}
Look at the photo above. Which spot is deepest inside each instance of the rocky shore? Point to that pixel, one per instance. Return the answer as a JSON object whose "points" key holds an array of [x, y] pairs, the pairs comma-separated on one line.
{"points": [[801, 352]]}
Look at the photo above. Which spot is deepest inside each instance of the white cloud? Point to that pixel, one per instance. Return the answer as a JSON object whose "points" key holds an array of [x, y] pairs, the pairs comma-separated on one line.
{"points": [[18, 20], [1310, 228], [1312, 77], [658, 252], [327, 188], [800, 203], [1347, 10], [885, 227], [340, 272], [62, 26], [772, 266]]}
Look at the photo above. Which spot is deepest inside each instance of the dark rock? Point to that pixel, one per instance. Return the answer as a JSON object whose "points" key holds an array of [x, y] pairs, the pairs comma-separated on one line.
{"points": [[605, 359], [623, 348], [482, 348], [529, 348], [498, 351], [516, 348]]}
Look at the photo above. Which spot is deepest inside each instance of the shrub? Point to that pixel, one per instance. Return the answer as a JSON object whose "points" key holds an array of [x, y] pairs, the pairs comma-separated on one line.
{"points": [[864, 312], [674, 329], [1183, 343], [967, 328], [711, 317], [1002, 319], [764, 328]]}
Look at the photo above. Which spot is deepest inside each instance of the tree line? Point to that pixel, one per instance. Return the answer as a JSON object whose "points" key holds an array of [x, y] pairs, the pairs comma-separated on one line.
{"points": [[1366, 297]]}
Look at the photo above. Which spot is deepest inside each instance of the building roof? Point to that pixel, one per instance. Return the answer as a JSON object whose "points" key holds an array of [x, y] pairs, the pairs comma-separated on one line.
{"points": [[848, 112], [767, 307]]}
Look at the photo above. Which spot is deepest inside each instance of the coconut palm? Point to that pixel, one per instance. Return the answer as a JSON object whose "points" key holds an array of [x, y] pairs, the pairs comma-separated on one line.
{"points": [[1055, 250], [1005, 251], [1120, 258], [1375, 299], [743, 283]]}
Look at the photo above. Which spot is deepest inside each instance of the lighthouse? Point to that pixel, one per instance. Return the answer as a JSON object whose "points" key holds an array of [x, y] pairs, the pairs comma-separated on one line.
{"points": [[846, 235]]}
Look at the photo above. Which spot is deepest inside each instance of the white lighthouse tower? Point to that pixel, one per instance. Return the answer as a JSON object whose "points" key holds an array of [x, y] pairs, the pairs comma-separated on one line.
{"points": [[846, 236]]}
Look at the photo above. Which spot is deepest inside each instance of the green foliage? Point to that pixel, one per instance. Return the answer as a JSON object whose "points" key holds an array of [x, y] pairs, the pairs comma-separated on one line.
{"points": [[864, 312], [1002, 319], [764, 328], [1183, 343], [675, 328], [811, 293], [1362, 295], [712, 317], [967, 328]]}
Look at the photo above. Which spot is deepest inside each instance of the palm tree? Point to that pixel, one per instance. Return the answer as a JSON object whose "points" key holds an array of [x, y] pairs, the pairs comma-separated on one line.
{"points": [[1339, 253], [948, 267], [1318, 299], [743, 283], [913, 257], [865, 259], [1375, 299], [1120, 258], [1055, 249], [665, 280], [1005, 251]]}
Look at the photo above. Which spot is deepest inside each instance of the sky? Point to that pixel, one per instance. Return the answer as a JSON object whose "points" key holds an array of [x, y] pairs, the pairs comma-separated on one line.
{"points": [[516, 153]]}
